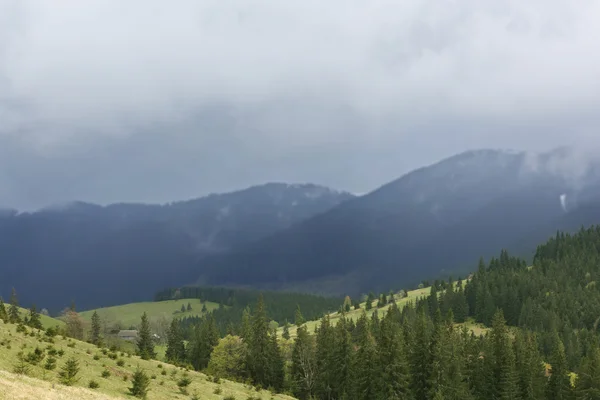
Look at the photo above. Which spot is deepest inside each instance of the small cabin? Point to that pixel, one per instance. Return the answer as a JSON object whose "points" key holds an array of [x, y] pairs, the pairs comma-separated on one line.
{"points": [[129, 335]]}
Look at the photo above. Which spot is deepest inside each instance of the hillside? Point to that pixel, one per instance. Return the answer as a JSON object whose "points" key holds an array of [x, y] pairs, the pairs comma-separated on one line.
{"points": [[92, 254], [162, 386], [128, 315], [47, 322], [464, 207]]}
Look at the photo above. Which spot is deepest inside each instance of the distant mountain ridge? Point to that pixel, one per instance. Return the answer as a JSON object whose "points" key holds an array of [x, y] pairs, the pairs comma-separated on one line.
{"points": [[106, 255], [435, 220]]}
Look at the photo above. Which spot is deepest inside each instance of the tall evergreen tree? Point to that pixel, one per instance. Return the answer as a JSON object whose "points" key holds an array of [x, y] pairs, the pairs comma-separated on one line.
{"points": [[34, 319], [264, 365], [505, 379], [14, 316], [341, 357], [175, 353], [588, 381], [325, 341], [299, 319], [145, 344], [304, 366], [394, 379], [286, 330], [529, 367], [559, 383], [420, 358], [3, 312], [366, 368], [95, 333]]}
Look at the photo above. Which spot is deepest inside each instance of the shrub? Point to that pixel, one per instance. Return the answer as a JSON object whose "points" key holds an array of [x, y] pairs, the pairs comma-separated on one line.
{"points": [[218, 390], [121, 363], [163, 372], [183, 383], [96, 357], [68, 373], [50, 364], [71, 345], [230, 397], [93, 384], [105, 373], [61, 353], [140, 383]]}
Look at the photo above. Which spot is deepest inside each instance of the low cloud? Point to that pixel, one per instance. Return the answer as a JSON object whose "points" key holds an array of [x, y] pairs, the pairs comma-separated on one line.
{"points": [[151, 100]]}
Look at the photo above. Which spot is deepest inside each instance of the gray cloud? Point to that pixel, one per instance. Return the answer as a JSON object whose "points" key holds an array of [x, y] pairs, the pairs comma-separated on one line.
{"points": [[150, 100]]}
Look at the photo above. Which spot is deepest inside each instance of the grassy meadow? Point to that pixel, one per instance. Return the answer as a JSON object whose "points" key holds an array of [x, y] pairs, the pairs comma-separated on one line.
{"points": [[353, 314], [128, 315], [47, 322], [42, 383]]}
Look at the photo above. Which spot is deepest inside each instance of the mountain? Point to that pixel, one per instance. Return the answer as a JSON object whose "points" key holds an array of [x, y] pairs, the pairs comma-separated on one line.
{"points": [[433, 221], [106, 255]]}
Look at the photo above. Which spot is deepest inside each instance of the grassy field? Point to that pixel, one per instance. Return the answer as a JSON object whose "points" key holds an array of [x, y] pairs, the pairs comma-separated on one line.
{"points": [[353, 314], [129, 314], [43, 384], [47, 322]]}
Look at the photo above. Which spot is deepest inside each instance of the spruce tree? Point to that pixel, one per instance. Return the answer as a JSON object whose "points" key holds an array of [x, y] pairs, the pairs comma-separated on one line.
{"points": [[505, 379], [145, 344], [394, 379], [95, 333], [14, 316], [325, 340], [189, 307], [34, 319], [246, 329], [299, 319], [341, 356], [3, 313], [529, 367], [366, 368], [588, 381], [304, 367], [140, 383], [182, 308], [175, 347], [69, 371], [286, 330], [559, 383], [420, 358], [259, 346]]}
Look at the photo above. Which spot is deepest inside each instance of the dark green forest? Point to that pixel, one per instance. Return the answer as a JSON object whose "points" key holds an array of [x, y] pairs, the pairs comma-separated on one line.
{"points": [[542, 343], [282, 306]]}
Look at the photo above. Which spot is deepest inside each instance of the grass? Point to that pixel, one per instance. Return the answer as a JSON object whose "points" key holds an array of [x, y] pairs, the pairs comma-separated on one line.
{"points": [[353, 314], [47, 322], [128, 315], [41, 383]]}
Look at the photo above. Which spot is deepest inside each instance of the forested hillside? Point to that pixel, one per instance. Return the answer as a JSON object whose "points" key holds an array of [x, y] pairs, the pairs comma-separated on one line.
{"points": [[464, 207], [129, 251]]}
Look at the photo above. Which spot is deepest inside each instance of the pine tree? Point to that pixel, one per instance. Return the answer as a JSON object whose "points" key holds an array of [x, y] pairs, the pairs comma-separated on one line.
{"points": [[69, 371], [286, 331], [299, 319], [34, 319], [325, 340], [529, 367], [366, 368], [370, 299], [3, 313], [341, 361], [394, 380], [14, 316], [182, 308], [145, 344], [95, 334], [189, 307], [140, 384], [588, 381], [559, 383], [420, 358], [263, 362], [175, 347], [505, 380], [304, 367], [246, 327]]}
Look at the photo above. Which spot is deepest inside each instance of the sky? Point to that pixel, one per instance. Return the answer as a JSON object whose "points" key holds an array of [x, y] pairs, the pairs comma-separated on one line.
{"points": [[153, 101]]}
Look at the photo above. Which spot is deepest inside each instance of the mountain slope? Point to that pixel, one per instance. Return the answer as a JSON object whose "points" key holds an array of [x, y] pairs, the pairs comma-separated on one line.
{"points": [[122, 253], [435, 220]]}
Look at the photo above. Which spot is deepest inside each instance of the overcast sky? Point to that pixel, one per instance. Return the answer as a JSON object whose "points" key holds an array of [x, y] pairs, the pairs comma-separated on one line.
{"points": [[153, 100]]}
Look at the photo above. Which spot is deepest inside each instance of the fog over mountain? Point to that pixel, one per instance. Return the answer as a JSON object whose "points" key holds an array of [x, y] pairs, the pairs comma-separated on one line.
{"points": [[150, 101]]}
